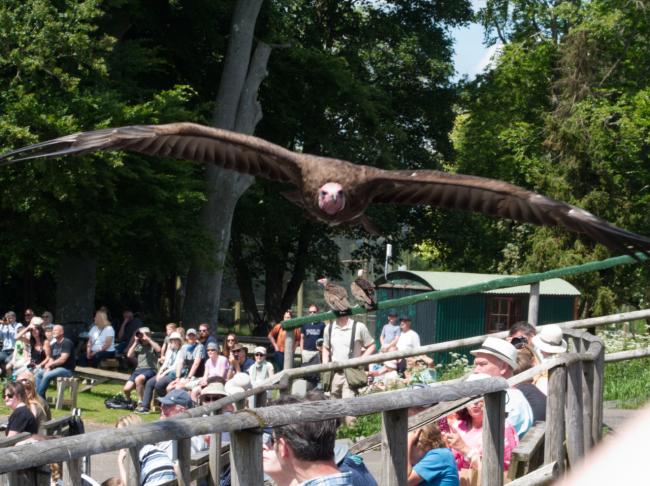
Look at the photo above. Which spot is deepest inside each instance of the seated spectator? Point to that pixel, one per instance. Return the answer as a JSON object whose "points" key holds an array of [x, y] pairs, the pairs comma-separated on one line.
{"points": [[39, 407], [155, 465], [22, 357], [466, 433], [348, 462], [239, 383], [239, 360], [420, 369], [130, 324], [169, 329], [216, 370], [537, 399], [101, 341], [191, 367], [260, 372], [60, 364], [384, 374], [145, 350], [548, 343], [175, 402], [166, 374], [430, 462], [8, 329], [39, 344], [21, 419], [497, 357], [205, 337], [229, 342]]}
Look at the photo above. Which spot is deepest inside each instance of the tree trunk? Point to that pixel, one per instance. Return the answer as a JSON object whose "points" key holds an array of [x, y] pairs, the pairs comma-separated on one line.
{"points": [[76, 278], [237, 109]]}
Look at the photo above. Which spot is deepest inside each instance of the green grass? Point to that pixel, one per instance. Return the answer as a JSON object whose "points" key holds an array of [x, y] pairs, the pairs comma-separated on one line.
{"points": [[92, 406], [628, 382]]}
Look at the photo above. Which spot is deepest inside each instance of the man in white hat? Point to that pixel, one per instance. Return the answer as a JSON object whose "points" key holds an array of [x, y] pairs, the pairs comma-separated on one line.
{"points": [[497, 357]]}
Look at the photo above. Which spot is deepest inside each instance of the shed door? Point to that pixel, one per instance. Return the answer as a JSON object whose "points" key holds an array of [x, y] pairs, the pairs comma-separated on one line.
{"points": [[502, 313]]}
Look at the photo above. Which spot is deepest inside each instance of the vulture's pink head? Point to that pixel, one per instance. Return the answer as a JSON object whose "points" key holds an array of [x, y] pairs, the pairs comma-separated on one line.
{"points": [[331, 198], [322, 281]]}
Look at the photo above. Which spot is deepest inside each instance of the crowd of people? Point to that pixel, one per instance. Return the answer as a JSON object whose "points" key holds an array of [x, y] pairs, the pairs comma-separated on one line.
{"points": [[190, 368]]}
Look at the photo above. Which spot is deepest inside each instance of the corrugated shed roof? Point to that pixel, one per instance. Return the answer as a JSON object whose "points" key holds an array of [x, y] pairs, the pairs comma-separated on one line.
{"points": [[450, 280]]}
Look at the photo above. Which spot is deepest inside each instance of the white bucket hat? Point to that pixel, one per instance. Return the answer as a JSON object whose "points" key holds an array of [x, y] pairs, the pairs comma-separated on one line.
{"points": [[500, 348], [549, 340]]}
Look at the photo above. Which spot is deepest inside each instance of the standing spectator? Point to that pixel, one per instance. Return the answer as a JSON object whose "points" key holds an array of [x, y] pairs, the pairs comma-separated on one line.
{"points": [[303, 453], [430, 462], [216, 370], [339, 336], [536, 398], [166, 374], [8, 329], [521, 334], [145, 350], [191, 367], [60, 364], [130, 324], [497, 357], [239, 360], [309, 334], [101, 341], [169, 329], [408, 339], [390, 332], [204, 335], [21, 419], [48, 318], [277, 336]]}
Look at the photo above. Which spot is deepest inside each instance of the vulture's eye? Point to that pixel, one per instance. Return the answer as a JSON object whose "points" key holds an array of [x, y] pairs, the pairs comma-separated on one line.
{"points": [[323, 193]]}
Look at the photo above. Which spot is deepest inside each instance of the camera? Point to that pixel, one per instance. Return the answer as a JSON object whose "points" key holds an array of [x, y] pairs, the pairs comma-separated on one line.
{"points": [[138, 335]]}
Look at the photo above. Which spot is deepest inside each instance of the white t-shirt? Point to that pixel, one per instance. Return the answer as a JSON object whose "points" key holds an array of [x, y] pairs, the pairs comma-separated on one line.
{"points": [[98, 337], [408, 340]]}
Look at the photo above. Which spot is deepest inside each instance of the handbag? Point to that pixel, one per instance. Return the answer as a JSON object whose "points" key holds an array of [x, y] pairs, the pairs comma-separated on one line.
{"points": [[356, 377]]}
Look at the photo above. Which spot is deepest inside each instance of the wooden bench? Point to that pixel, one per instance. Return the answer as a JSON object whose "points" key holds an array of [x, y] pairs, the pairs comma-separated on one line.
{"points": [[63, 384], [97, 376], [529, 453]]}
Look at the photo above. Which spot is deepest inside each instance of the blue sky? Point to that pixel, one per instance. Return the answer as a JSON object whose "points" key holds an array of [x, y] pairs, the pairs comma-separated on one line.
{"points": [[471, 56]]}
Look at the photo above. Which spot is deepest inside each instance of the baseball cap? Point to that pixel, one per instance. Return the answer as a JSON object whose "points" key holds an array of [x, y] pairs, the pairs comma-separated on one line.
{"points": [[177, 397], [191, 330]]}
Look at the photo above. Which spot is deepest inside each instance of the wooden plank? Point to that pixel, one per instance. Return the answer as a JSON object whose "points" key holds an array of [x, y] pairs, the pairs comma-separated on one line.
{"points": [[95, 373], [494, 417], [185, 461], [394, 459], [526, 451], [543, 476], [533, 304], [214, 460], [72, 472], [587, 403], [288, 350], [246, 458], [555, 425], [597, 395], [574, 417], [132, 467]]}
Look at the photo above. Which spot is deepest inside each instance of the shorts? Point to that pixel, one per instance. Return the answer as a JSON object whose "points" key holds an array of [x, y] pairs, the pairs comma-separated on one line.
{"points": [[147, 372]]}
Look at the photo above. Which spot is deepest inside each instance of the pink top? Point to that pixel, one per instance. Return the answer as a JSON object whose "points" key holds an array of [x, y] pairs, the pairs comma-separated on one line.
{"points": [[220, 368], [474, 440]]}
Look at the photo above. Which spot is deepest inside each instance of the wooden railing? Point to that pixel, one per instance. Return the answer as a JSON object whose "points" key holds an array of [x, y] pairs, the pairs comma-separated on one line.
{"points": [[575, 385]]}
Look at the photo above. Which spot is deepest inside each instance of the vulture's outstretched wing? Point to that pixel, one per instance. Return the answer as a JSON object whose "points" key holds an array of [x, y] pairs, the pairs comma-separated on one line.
{"points": [[230, 150], [498, 199]]}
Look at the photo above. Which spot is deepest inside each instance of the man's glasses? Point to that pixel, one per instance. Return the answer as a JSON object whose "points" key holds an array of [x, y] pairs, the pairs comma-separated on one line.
{"points": [[259, 354], [519, 342], [210, 399], [203, 330], [211, 350]]}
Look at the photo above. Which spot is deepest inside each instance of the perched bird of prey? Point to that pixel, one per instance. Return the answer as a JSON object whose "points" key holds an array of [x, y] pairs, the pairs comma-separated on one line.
{"points": [[364, 291], [335, 191], [336, 297]]}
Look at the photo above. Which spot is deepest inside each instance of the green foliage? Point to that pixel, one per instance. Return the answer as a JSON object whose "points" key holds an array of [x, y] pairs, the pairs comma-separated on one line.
{"points": [[363, 426], [627, 383]]}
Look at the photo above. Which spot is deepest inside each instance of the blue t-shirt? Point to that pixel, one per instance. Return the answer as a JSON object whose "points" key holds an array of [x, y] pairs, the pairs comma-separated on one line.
{"points": [[312, 332], [389, 332], [438, 468]]}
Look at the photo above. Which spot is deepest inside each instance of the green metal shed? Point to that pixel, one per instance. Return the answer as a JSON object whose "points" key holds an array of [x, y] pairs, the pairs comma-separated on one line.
{"points": [[474, 314]]}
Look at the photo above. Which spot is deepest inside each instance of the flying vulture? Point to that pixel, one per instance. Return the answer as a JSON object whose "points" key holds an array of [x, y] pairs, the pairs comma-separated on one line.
{"points": [[336, 297], [364, 291], [335, 191]]}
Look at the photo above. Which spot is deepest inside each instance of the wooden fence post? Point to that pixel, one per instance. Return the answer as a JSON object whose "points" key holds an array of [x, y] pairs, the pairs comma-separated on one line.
{"points": [[246, 458], [597, 395], [394, 429], [288, 349], [72, 472], [184, 461], [494, 417], [214, 460], [574, 417], [555, 426], [588, 403], [132, 467], [533, 304]]}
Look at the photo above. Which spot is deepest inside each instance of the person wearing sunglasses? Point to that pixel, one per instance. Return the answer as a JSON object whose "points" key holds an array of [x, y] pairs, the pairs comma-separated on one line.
{"points": [[21, 419], [260, 372]]}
